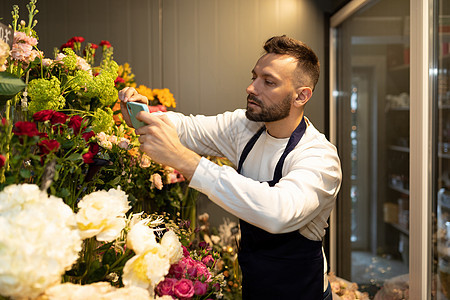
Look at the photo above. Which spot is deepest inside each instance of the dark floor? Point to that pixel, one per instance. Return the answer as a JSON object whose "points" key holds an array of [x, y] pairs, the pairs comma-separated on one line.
{"points": [[370, 271]]}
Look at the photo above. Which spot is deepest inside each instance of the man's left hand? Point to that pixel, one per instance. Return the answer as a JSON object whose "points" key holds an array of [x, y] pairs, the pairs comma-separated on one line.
{"points": [[160, 141]]}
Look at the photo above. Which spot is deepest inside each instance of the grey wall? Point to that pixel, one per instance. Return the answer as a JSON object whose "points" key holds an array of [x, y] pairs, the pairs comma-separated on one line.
{"points": [[202, 50]]}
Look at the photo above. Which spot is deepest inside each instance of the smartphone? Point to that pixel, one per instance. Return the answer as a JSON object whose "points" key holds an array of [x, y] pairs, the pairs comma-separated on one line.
{"points": [[133, 108]]}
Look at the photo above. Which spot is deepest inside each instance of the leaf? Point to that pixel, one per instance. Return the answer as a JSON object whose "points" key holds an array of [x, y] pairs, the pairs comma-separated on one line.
{"points": [[115, 181], [67, 144], [24, 173], [10, 85], [63, 193], [109, 257], [75, 156]]}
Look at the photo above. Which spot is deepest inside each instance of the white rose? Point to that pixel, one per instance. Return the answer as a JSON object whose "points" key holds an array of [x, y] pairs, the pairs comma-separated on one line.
{"points": [[172, 245]]}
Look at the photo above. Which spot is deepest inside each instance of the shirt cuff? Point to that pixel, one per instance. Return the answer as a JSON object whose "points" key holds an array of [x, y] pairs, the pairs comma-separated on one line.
{"points": [[205, 176]]}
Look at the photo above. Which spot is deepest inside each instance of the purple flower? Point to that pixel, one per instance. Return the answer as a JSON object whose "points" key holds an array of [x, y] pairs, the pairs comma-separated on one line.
{"points": [[184, 288]]}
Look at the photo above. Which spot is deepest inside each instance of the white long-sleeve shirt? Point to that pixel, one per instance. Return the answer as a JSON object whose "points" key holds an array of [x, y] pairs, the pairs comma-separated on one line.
{"points": [[303, 198]]}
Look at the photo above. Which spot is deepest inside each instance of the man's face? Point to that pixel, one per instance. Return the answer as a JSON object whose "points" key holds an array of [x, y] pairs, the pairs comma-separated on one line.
{"points": [[271, 93]]}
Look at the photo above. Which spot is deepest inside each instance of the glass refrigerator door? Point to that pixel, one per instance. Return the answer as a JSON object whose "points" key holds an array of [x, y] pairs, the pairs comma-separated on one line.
{"points": [[441, 216]]}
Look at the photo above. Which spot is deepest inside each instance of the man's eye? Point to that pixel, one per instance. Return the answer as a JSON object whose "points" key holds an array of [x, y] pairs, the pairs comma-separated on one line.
{"points": [[268, 82]]}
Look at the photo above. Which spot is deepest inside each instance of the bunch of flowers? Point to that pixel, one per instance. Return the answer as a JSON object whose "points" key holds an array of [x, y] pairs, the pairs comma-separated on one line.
{"points": [[55, 151], [224, 241]]}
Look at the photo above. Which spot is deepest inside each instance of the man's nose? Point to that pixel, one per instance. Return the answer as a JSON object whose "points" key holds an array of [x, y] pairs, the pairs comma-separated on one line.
{"points": [[251, 89]]}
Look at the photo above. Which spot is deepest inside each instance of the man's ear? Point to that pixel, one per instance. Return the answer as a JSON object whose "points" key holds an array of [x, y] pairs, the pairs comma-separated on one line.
{"points": [[303, 95]]}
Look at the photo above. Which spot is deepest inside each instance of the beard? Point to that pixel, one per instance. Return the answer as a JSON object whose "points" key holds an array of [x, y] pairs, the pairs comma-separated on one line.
{"points": [[272, 113]]}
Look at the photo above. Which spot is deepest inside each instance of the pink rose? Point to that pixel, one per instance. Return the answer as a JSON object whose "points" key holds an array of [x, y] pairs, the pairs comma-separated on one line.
{"points": [[184, 289], [166, 287], [200, 288], [208, 260]]}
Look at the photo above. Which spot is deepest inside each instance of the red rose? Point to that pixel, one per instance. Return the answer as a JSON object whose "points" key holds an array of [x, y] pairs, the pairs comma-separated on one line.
{"points": [[58, 118], [87, 135], [69, 44], [47, 146], [184, 288], [105, 44], [4, 121], [94, 46], [77, 39], [43, 115], [43, 135], [75, 124], [2, 161], [25, 128], [88, 158], [94, 148]]}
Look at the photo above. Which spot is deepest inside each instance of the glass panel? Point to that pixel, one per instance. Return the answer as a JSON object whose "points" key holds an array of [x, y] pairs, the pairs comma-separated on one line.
{"points": [[373, 140], [441, 278]]}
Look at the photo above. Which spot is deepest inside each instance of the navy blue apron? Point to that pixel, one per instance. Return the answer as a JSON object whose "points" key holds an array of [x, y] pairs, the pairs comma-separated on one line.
{"points": [[279, 266]]}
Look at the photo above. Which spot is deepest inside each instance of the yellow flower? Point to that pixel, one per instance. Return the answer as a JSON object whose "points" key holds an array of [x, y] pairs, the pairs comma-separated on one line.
{"points": [[165, 97], [147, 92]]}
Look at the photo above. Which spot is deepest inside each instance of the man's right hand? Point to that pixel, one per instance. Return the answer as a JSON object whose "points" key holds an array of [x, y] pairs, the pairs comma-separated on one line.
{"points": [[129, 94]]}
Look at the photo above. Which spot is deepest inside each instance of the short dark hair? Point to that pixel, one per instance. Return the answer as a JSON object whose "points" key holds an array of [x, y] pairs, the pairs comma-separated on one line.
{"points": [[307, 61]]}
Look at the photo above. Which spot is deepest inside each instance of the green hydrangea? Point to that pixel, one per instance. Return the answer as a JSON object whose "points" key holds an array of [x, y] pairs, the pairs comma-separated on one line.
{"points": [[45, 94], [70, 61], [103, 120], [80, 80], [102, 86]]}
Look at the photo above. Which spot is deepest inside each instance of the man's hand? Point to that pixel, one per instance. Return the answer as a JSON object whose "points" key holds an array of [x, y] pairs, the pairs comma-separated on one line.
{"points": [[131, 95], [160, 141]]}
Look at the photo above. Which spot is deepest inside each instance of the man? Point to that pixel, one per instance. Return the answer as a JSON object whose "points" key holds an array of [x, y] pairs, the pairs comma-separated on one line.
{"points": [[287, 177]]}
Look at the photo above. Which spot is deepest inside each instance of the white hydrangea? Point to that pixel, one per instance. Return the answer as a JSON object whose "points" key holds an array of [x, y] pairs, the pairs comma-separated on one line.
{"points": [[94, 291], [39, 241], [102, 214]]}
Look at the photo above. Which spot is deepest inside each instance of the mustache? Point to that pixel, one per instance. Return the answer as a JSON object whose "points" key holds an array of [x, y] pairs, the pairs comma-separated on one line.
{"points": [[254, 99]]}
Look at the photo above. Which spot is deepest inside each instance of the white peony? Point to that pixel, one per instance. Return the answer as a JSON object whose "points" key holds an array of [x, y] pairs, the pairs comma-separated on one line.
{"points": [[102, 214], [39, 241], [172, 245], [147, 268], [140, 237], [94, 291]]}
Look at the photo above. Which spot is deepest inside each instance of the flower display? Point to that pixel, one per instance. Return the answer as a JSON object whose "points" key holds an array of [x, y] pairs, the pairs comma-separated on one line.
{"points": [[102, 214], [39, 241], [78, 199]]}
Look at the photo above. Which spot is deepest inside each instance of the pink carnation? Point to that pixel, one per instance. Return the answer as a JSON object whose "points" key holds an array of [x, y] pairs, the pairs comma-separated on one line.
{"points": [[21, 37], [21, 51]]}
